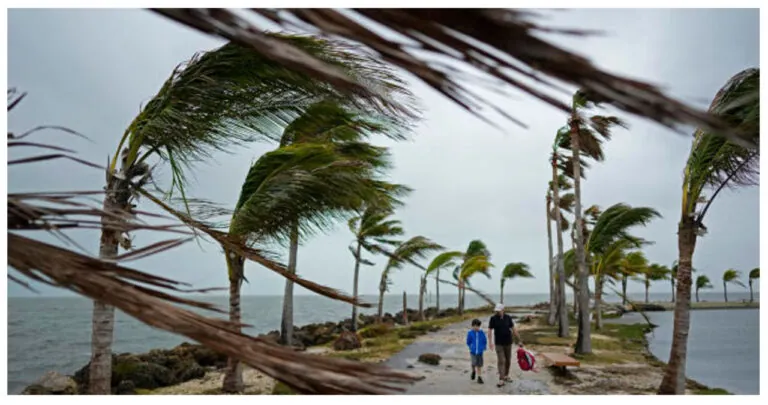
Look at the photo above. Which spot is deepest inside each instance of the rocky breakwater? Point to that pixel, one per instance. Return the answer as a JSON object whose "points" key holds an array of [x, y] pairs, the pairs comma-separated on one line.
{"points": [[167, 367]]}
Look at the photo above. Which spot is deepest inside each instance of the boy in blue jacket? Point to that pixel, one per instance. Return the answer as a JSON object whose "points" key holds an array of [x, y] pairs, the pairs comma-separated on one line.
{"points": [[476, 341]]}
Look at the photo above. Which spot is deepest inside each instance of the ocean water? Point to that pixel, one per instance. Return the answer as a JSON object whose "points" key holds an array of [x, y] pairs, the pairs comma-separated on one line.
{"points": [[53, 334]]}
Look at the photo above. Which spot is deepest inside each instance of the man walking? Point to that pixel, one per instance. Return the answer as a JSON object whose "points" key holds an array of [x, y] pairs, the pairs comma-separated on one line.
{"points": [[500, 331]]}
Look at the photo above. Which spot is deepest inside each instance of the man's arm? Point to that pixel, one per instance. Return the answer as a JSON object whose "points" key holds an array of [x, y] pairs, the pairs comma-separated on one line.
{"points": [[517, 335], [490, 334]]}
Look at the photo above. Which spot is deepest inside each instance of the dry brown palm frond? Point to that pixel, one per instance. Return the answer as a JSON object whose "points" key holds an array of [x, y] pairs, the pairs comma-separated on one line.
{"points": [[122, 287], [500, 43]]}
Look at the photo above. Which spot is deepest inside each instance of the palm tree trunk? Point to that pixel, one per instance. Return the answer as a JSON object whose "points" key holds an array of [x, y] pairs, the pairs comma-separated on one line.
{"points": [[751, 297], [647, 287], [575, 299], [354, 285], [233, 376], [437, 291], [725, 291], [672, 280], [562, 330], [459, 306], [405, 309], [697, 294], [382, 289], [674, 376], [422, 290], [584, 340], [552, 289], [103, 319], [598, 302], [624, 282], [286, 325]]}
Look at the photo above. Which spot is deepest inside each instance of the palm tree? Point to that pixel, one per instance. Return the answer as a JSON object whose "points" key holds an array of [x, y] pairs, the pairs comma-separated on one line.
{"points": [[214, 101], [513, 270], [584, 133], [605, 244], [476, 260], [444, 260], [407, 252], [731, 276], [305, 184], [565, 204], [374, 230], [330, 122], [754, 274], [654, 272], [714, 163], [634, 263], [702, 282]]}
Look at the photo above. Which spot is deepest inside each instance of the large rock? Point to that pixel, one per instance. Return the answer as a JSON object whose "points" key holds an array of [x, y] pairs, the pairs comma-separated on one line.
{"points": [[347, 341], [430, 358], [52, 383]]}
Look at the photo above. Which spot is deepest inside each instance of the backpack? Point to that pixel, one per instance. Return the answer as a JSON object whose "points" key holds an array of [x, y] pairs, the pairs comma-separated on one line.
{"points": [[525, 360]]}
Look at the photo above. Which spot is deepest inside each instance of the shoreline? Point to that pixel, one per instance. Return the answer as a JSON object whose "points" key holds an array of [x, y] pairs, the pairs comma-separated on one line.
{"points": [[381, 342]]}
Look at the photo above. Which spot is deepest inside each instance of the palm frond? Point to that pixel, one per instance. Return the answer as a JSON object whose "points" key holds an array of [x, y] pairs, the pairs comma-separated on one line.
{"points": [[754, 273], [614, 223], [411, 250], [703, 282], [502, 44], [516, 270], [444, 260]]}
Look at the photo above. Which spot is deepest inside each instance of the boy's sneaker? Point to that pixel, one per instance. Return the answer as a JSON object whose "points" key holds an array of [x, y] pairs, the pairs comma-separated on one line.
{"points": [[472, 377], [480, 380]]}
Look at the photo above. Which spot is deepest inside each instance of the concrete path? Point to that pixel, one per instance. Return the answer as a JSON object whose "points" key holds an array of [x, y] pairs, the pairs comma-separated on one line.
{"points": [[451, 377]]}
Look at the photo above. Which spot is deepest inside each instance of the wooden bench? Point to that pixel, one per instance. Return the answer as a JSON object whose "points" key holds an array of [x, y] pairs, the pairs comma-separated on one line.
{"points": [[560, 361]]}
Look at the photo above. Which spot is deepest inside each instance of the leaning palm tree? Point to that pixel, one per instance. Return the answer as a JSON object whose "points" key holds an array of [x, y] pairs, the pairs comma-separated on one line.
{"points": [[633, 264], [731, 276], [607, 239], [476, 260], [374, 231], [329, 122], [565, 204], [655, 272], [702, 282], [754, 274], [585, 135], [510, 271], [215, 101], [304, 184], [714, 163], [407, 253], [445, 260]]}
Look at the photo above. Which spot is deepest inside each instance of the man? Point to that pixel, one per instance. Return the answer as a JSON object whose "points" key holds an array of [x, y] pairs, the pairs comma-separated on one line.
{"points": [[500, 331]]}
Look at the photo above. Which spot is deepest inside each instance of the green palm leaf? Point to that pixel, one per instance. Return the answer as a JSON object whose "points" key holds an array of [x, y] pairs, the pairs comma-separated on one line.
{"points": [[515, 270], [703, 282], [732, 276], [614, 223]]}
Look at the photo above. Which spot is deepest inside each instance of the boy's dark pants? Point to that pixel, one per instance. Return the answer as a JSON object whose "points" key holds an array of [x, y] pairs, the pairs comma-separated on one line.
{"points": [[504, 356]]}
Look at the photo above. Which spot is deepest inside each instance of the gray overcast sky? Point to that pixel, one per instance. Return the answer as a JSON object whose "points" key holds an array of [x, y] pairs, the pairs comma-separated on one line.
{"points": [[91, 70]]}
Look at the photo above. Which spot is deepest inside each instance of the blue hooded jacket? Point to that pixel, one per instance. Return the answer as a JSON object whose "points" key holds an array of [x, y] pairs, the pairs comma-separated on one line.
{"points": [[476, 341]]}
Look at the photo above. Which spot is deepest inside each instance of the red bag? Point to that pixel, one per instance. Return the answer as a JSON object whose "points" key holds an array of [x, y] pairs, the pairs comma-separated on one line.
{"points": [[525, 360]]}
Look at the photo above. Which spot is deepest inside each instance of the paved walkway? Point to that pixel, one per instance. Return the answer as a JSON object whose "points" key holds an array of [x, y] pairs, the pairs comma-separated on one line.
{"points": [[451, 377]]}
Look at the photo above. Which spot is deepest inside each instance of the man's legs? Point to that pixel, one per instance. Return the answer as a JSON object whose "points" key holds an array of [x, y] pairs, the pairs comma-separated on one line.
{"points": [[507, 360], [500, 361]]}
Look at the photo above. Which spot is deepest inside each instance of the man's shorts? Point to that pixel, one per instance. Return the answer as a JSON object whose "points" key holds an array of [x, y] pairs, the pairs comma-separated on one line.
{"points": [[477, 360]]}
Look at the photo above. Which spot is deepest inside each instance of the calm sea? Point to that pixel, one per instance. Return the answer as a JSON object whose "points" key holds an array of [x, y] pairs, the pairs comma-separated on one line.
{"points": [[47, 334]]}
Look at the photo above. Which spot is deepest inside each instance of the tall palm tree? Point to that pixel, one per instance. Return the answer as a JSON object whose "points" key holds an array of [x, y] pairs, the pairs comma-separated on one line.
{"points": [[714, 163], [374, 231], [731, 276], [702, 282], [754, 274], [565, 204], [215, 101], [407, 253], [605, 245], [510, 271], [585, 135], [330, 122], [306, 184]]}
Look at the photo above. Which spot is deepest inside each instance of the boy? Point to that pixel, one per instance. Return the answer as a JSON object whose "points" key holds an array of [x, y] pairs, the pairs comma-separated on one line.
{"points": [[476, 341]]}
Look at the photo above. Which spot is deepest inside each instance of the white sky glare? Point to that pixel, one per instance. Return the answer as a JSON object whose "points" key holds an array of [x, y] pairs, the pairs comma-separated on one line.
{"points": [[90, 70]]}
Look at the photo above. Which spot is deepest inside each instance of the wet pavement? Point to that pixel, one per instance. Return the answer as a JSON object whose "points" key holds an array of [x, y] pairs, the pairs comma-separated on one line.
{"points": [[452, 375]]}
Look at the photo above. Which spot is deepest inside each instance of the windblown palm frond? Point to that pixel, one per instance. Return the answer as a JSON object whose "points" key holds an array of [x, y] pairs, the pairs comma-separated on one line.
{"points": [[515, 270], [500, 43], [614, 223], [410, 251], [732, 276], [703, 282], [444, 260], [754, 274], [716, 163]]}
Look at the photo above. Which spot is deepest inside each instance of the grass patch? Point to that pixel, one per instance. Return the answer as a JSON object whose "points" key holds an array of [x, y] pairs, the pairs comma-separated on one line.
{"points": [[144, 391], [711, 391], [282, 389]]}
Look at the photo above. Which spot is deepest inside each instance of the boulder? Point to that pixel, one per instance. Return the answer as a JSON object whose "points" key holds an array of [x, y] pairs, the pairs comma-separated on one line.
{"points": [[430, 358], [52, 383], [126, 387], [347, 341]]}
